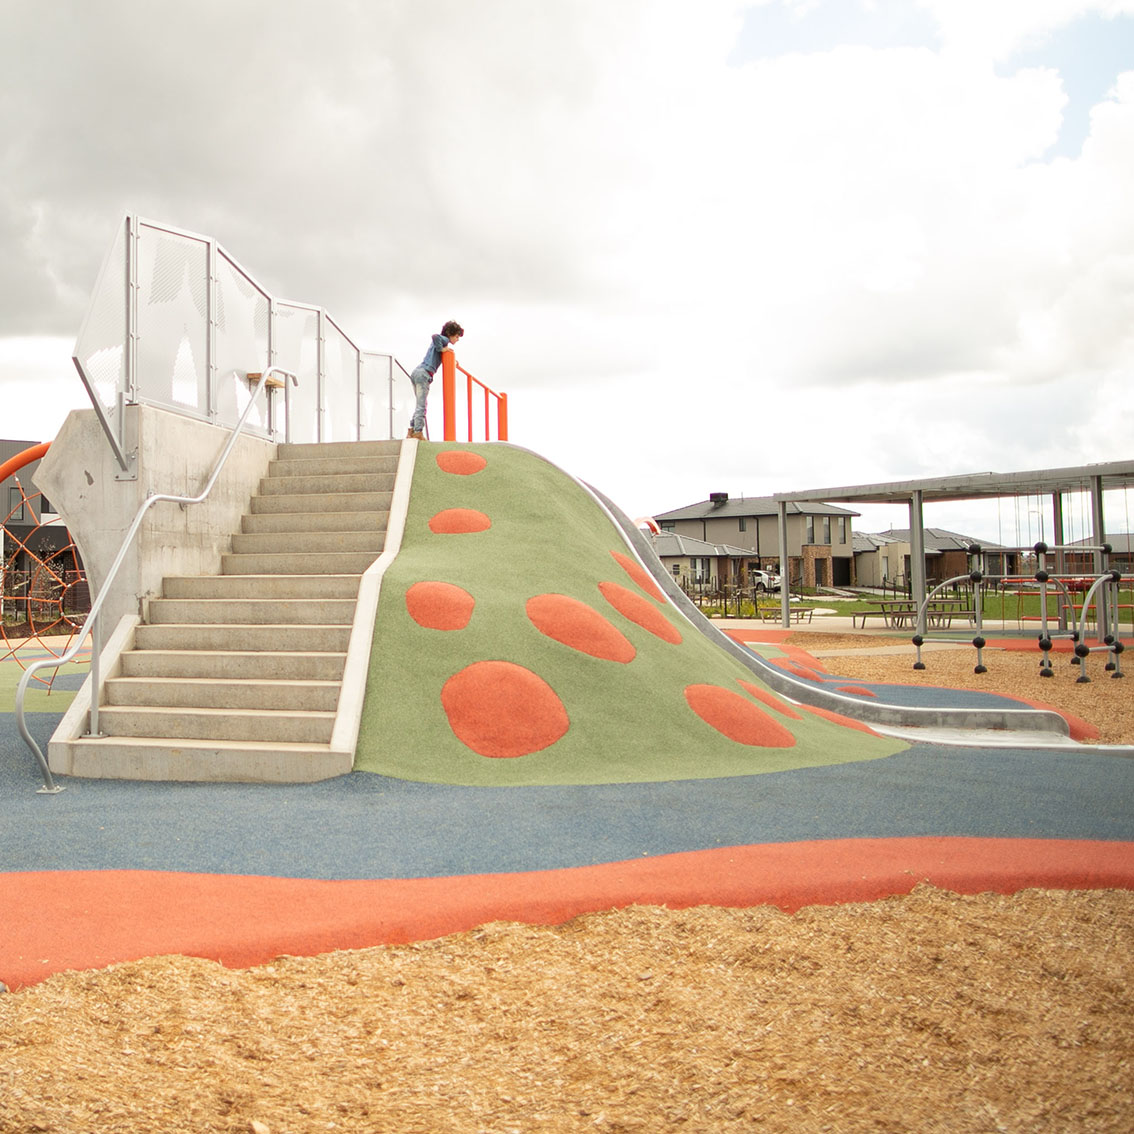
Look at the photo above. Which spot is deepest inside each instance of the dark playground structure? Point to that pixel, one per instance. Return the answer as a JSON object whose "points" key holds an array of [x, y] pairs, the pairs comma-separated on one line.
{"points": [[1100, 593]]}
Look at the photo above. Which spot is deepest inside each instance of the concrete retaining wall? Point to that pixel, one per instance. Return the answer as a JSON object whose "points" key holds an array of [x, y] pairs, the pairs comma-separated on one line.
{"points": [[176, 455]]}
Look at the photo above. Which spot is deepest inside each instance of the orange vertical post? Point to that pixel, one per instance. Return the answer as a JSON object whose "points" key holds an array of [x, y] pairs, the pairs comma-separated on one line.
{"points": [[449, 394], [502, 417]]}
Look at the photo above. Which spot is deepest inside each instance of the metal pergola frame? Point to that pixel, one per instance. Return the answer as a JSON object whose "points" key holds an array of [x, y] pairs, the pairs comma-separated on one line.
{"points": [[1096, 479]]}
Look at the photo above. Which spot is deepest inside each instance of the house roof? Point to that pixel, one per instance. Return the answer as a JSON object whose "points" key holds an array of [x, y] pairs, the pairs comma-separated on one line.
{"points": [[939, 539], [1120, 542], [867, 541], [749, 506], [669, 545]]}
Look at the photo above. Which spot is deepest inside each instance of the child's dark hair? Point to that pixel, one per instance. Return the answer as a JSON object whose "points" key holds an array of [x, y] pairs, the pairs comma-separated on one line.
{"points": [[452, 328]]}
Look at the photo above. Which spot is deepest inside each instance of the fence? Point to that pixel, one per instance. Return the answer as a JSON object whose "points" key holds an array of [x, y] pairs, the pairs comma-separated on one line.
{"points": [[176, 322]]}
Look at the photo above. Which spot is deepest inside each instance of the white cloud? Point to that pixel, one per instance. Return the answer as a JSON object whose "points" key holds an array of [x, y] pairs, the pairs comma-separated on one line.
{"points": [[39, 385]]}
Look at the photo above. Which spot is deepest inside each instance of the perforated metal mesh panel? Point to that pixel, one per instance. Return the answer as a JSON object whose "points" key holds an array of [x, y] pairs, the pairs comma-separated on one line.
{"points": [[296, 337], [173, 315], [374, 405], [101, 346], [242, 316], [201, 324], [340, 385]]}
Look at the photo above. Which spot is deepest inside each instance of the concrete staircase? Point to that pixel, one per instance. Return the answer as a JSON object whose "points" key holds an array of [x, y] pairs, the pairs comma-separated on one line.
{"points": [[238, 676]]}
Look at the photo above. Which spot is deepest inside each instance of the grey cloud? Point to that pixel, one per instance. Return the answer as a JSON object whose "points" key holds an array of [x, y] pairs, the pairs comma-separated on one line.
{"points": [[346, 153]]}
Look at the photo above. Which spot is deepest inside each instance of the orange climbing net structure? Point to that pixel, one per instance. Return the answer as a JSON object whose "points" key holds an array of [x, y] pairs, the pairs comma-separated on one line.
{"points": [[43, 588]]}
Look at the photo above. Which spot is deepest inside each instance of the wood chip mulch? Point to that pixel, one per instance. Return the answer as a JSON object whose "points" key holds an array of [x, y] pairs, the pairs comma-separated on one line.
{"points": [[928, 1012]]}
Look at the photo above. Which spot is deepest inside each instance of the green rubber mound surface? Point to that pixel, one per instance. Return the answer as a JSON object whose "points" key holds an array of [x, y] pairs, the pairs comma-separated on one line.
{"points": [[518, 641], [55, 697]]}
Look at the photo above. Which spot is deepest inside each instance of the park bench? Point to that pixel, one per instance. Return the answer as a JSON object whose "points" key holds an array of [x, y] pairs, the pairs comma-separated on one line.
{"points": [[795, 613]]}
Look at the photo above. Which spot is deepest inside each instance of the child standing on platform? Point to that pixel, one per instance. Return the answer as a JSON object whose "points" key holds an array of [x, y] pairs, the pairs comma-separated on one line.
{"points": [[422, 376]]}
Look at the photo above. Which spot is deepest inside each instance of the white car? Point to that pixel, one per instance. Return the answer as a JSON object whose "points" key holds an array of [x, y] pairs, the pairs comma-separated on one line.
{"points": [[764, 580]]}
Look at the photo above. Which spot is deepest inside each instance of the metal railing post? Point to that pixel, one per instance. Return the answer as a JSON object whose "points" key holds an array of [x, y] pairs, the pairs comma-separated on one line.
{"points": [[449, 395], [95, 673]]}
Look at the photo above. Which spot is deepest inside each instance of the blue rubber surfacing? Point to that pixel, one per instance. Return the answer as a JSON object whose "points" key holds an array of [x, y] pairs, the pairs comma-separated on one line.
{"points": [[369, 826]]}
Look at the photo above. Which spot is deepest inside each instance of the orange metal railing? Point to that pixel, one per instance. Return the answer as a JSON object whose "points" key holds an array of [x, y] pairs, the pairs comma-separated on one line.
{"points": [[449, 368]]}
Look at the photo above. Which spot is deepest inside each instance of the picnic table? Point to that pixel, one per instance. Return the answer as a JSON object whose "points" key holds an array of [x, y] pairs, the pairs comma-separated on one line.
{"points": [[898, 613]]}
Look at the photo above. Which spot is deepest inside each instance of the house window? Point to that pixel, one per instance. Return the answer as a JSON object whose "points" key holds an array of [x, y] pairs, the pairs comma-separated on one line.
{"points": [[842, 529], [827, 529], [668, 526], [743, 521], [810, 529], [15, 505], [677, 568]]}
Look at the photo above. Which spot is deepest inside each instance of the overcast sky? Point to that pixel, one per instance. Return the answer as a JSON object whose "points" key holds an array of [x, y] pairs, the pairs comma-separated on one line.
{"points": [[712, 246]]}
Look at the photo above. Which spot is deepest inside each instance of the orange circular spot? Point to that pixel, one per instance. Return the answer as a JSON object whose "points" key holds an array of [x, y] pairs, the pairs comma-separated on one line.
{"points": [[454, 521], [771, 701], [579, 626], [797, 669], [503, 710], [803, 657], [639, 574], [736, 717], [838, 718], [634, 607], [439, 606], [460, 462]]}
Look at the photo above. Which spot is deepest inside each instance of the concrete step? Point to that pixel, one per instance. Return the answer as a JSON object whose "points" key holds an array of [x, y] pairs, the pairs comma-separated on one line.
{"points": [[226, 612], [252, 665], [321, 485], [316, 521], [298, 563], [238, 676], [293, 726], [189, 760], [280, 543], [266, 638], [334, 466], [282, 503], [260, 586], [223, 693], [308, 450]]}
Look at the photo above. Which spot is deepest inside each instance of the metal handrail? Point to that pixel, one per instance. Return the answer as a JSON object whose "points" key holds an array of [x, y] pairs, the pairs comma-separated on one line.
{"points": [[449, 367], [91, 625]]}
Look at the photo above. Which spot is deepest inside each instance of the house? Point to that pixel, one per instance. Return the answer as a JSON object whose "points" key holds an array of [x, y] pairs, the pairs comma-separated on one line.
{"points": [[820, 552], [880, 560], [1121, 557], [884, 558], [696, 564]]}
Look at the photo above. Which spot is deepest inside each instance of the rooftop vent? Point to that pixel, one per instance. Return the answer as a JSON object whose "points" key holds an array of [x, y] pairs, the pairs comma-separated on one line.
{"points": [[718, 498]]}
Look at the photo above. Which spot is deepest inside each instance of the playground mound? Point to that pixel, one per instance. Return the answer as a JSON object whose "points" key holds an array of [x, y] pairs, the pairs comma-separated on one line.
{"points": [[926, 1012], [1105, 702]]}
